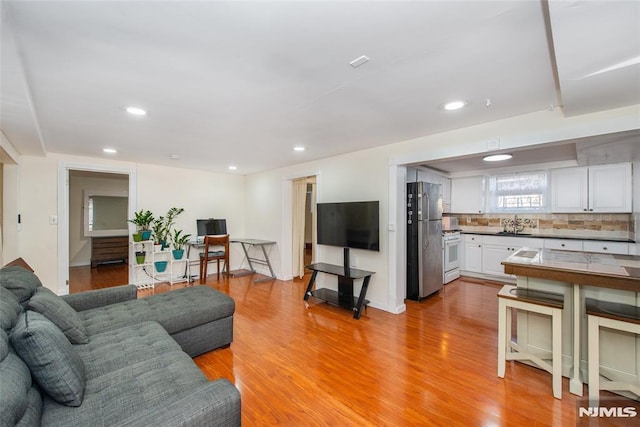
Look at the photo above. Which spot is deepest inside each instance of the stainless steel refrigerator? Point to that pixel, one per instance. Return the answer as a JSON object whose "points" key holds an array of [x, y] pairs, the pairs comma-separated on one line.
{"points": [[424, 239]]}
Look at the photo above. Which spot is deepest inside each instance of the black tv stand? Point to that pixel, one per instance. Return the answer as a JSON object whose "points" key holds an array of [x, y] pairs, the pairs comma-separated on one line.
{"points": [[344, 296]]}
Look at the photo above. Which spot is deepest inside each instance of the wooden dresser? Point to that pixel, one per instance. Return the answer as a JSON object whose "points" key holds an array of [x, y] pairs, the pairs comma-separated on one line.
{"points": [[109, 249]]}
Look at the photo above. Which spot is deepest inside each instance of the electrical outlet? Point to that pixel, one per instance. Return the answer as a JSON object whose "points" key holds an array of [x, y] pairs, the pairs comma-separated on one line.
{"points": [[53, 219]]}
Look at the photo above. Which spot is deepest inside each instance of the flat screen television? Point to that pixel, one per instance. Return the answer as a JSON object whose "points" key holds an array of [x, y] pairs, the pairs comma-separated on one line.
{"points": [[349, 225]]}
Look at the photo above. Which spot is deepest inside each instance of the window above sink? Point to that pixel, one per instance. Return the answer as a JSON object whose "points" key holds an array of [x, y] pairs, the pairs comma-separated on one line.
{"points": [[518, 192]]}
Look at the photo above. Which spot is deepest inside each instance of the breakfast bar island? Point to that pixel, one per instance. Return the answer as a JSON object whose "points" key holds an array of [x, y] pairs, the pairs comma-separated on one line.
{"points": [[579, 275]]}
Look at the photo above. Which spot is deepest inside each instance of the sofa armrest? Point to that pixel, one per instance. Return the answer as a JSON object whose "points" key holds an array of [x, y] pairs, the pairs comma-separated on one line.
{"points": [[214, 404], [101, 297]]}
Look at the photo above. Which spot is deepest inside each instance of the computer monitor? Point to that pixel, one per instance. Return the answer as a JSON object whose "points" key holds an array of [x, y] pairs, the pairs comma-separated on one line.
{"points": [[211, 227], [218, 226], [202, 226]]}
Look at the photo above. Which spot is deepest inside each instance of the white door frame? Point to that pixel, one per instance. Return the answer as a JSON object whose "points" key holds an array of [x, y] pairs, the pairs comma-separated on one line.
{"points": [[287, 221], [63, 210]]}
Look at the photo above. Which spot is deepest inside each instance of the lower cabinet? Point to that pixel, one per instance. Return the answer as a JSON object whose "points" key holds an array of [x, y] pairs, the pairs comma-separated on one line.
{"points": [[472, 260], [492, 257], [483, 254]]}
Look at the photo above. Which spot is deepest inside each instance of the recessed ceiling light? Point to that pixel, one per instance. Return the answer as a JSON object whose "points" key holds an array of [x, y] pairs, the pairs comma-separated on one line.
{"points": [[110, 150], [136, 111], [298, 148], [454, 105], [232, 168], [497, 157], [175, 157]]}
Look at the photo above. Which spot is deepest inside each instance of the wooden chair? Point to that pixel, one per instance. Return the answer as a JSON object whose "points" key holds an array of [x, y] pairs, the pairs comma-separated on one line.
{"points": [[214, 255], [550, 304], [609, 315]]}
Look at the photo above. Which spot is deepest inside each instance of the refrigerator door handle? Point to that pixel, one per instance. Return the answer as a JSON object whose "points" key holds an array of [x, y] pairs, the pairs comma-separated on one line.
{"points": [[427, 228], [420, 242]]}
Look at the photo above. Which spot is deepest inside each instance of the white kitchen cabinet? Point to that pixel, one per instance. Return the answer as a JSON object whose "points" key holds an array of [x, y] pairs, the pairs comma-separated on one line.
{"points": [[563, 244], [496, 249], [472, 253], [606, 247], [446, 195], [597, 189], [492, 256], [468, 195]]}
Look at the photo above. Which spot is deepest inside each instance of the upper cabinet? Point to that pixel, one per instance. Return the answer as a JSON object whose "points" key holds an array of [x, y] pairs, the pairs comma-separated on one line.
{"points": [[595, 189], [468, 195]]}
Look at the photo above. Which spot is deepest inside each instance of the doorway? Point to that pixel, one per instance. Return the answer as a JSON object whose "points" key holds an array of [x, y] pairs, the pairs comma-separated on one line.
{"points": [[303, 230], [98, 211], [74, 248]]}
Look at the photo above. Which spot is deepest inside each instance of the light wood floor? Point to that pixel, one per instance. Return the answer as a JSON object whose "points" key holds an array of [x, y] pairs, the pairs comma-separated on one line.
{"points": [[435, 364]]}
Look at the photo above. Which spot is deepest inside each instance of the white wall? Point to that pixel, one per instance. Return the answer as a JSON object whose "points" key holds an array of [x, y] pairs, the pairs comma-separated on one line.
{"points": [[10, 203], [158, 189]]}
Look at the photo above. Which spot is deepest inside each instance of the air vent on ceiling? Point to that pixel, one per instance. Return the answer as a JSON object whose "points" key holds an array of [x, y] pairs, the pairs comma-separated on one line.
{"points": [[359, 61]]}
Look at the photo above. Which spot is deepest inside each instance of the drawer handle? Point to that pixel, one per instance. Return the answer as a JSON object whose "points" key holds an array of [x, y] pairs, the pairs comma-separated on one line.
{"points": [[562, 245], [604, 248]]}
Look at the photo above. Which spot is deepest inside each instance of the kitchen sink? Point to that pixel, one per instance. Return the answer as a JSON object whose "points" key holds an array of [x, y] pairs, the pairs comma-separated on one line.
{"points": [[511, 233]]}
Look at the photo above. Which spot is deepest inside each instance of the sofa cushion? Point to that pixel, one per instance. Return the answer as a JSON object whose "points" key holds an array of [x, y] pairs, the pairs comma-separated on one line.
{"points": [[9, 309], [124, 393], [14, 387], [4, 344], [176, 311], [53, 362], [33, 412], [22, 282], [116, 349], [54, 308]]}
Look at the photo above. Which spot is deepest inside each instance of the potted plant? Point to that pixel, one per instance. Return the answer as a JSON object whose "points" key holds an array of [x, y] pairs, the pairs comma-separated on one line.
{"points": [[159, 234], [168, 222], [142, 220], [140, 256], [179, 241]]}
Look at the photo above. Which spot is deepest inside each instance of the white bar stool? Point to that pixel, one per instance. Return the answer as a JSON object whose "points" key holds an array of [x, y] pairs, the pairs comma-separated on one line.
{"points": [[621, 317], [551, 304]]}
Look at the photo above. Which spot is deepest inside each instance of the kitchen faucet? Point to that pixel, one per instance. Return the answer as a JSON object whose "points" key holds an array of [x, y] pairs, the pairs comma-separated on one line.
{"points": [[517, 224]]}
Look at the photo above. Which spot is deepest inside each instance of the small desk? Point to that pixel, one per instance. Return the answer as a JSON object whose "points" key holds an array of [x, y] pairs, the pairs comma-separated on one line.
{"points": [[187, 268], [344, 297], [247, 244]]}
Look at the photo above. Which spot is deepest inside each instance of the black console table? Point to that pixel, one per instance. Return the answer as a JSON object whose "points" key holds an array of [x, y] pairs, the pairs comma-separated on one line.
{"points": [[344, 296]]}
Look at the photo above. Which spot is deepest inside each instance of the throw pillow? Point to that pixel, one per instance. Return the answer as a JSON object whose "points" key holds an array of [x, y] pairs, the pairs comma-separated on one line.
{"points": [[54, 308], [51, 358], [4, 344], [20, 281], [9, 309]]}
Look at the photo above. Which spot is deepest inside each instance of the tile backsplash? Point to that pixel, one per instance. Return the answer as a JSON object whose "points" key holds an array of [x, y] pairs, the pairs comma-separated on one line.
{"points": [[601, 225]]}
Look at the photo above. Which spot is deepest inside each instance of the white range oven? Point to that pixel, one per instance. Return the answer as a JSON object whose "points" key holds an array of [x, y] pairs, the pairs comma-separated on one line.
{"points": [[451, 251]]}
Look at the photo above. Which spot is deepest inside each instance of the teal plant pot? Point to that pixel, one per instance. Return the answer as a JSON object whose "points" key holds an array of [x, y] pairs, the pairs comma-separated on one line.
{"points": [[146, 235], [178, 253], [161, 266]]}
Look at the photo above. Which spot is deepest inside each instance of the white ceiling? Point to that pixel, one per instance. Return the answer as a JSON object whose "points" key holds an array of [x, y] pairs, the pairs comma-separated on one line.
{"points": [[244, 82]]}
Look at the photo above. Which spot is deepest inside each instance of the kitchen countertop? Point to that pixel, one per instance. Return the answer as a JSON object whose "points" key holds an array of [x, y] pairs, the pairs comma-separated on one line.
{"points": [[585, 268], [553, 236]]}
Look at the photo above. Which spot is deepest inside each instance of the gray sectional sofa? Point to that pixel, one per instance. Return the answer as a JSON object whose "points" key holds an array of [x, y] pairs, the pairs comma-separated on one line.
{"points": [[106, 358]]}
